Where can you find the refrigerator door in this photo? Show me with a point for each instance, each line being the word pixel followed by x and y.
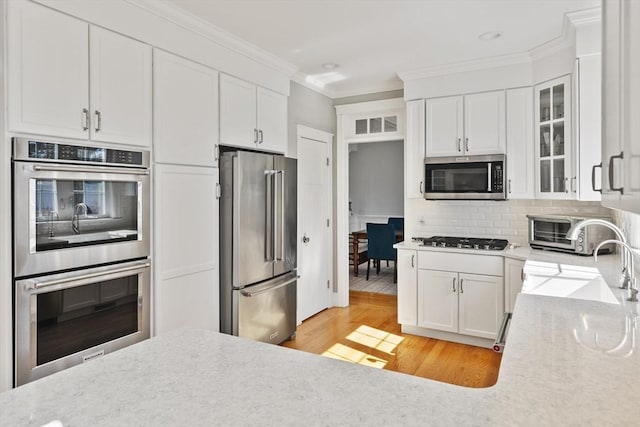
pixel 285 214
pixel 253 221
pixel 267 311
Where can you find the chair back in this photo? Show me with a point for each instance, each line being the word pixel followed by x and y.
pixel 398 223
pixel 381 238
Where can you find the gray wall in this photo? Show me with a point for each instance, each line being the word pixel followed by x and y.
pixel 378 96
pixel 376 172
pixel 309 108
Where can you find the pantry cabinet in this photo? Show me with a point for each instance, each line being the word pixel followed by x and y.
pixel 186 248
pixel 185 103
pixel 70 79
pixel 621 105
pixel 407 287
pixel 472 124
pixel 251 116
pixel 414 149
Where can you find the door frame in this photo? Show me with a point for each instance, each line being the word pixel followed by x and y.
pixel 346 116
pixel 308 133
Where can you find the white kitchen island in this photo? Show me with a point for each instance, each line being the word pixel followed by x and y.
pixel 554 372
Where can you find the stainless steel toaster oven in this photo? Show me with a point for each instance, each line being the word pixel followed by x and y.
pixel 550 232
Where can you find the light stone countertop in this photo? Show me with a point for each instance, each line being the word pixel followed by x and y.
pixel 566 362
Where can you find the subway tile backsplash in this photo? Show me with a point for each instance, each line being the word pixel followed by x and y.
pixel 504 219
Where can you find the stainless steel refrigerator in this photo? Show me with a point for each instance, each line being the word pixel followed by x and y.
pixel 258 214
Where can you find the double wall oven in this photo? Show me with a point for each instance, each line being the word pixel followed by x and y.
pixel 81 253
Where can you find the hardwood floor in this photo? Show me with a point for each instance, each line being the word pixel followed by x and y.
pixel 367 332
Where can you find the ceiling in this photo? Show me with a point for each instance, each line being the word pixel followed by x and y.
pixel 373 40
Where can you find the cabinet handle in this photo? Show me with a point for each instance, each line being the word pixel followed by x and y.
pixel 421 188
pixel 566 185
pixel 255 136
pixel 459 145
pixel 218 191
pixel 611 159
pixel 461 290
pixel 522 274
pixel 260 137
pixel 593 178
pixel 98 120
pixel 216 153
pixel 466 144
pixel 85 119
pixel 574 180
pixel 509 186
pixel 413 257
pixel 453 285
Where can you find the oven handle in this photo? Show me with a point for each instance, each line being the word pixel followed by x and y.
pixel 94 169
pixel 40 285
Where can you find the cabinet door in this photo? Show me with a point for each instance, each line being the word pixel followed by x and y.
pixel 513 273
pixel 553 142
pixel 48 67
pixel 444 126
pixel 272 120
pixel 407 287
pixel 237 112
pixel 186 248
pixel 484 127
pixel 120 89
pixel 438 300
pixel 185 100
pixel 520 143
pixel 481 305
pixel 414 149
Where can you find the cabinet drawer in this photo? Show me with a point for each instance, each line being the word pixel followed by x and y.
pixel 463 263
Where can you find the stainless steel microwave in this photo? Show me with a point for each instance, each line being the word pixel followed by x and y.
pixel 465 178
pixel 550 232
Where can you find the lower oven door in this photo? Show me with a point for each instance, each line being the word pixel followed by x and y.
pixel 66 319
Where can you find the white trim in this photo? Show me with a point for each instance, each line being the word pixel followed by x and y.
pixel 586 16
pixel 382 87
pixel 197 25
pixel 301 79
pixel 305 132
pixel 371 107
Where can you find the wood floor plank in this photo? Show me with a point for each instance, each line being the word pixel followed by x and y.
pixel 368 331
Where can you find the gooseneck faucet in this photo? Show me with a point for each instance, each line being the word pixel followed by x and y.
pixel 75 220
pixel 572 234
pixel 633 289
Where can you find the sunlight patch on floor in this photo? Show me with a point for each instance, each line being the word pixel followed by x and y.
pixel 346 353
pixel 375 338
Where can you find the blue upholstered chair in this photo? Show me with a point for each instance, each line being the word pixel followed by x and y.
pixel 381 238
pixel 398 223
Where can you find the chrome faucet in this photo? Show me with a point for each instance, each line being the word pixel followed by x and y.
pixel 628 250
pixel 51 215
pixel 625 276
pixel 75 220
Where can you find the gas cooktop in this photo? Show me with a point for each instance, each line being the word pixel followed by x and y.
pixel 463 243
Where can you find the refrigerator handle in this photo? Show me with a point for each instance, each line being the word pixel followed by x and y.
pixel 269 214
pixel 281 216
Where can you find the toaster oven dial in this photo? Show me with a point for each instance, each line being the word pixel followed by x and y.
pixel 580 239
pixel 580 248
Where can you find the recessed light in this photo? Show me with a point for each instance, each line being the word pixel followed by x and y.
pixel 329 65
pixel 490 35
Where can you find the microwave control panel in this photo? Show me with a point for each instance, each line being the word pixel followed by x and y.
pixel 498 178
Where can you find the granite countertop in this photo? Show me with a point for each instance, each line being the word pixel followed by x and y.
pixel 567 362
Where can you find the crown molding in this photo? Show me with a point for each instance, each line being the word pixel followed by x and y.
pixel 188 21
pixel 383 105
pixel 301 79
pixel 367 90
pixel 586 16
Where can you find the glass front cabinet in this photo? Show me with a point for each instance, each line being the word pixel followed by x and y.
pixel 553 142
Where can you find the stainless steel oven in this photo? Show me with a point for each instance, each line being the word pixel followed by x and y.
pixel 77 206
pixel 65 319
pixel 465 178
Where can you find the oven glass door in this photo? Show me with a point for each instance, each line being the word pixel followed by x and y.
pixel 77 211
pixel 458 178
pixel 77 316
pixel 554 232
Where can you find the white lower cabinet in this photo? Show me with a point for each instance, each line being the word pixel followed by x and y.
pixel 513 278
pixel 438 300
pixel 407 287
pixel 186 274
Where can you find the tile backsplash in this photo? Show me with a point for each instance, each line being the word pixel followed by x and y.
pixel 504 219
pixel 630 225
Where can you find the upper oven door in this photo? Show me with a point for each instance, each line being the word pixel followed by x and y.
pixel 480 177
pixel 546 232
pixel 68 216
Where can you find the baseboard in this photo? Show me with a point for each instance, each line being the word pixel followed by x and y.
pixel 448 336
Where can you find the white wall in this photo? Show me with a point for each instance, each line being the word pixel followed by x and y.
pixel 376 178
pixel 309 108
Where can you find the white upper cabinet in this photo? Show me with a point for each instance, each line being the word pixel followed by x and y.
pixel 621 105
pixel 484 127
pixel 414 149
pixel 120 89
pixel 520 164
pixel 466 125
pixel 54 61
pixel 48 72
pixel 252 117
pixel 444 126
pixel 185 104
pixel 553 146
